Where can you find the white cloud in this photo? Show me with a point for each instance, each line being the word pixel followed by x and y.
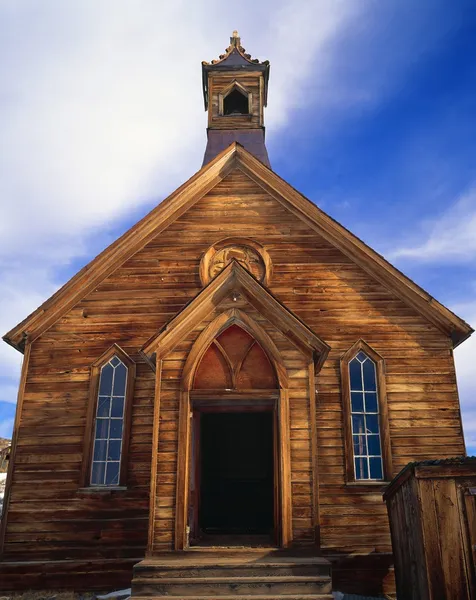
pixel 8 392
pixel 101 114
pixel 465 359
pixel 101 111
pixel 449 238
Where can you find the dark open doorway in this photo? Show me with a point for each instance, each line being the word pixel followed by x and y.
pixel 236 478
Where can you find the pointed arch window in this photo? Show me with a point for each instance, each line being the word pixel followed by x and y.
pixel 235 361
pixel 365 413
pixel 108 423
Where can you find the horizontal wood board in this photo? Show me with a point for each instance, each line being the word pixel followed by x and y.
pixel 334 297
pixel 219 83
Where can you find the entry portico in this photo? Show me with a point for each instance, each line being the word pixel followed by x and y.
pixel 275 373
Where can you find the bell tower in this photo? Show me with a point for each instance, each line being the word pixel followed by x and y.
pixel 235 89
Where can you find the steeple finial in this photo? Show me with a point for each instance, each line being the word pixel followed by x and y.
pixel 235 40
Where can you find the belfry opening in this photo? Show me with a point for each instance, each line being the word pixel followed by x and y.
pixel 235 103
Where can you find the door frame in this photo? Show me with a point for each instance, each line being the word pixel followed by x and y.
pixel 189 396
pixel 211 405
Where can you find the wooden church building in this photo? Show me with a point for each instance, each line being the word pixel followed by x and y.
pixel 222 395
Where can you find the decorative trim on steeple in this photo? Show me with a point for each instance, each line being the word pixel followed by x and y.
pixel 235 58
pixel 235 47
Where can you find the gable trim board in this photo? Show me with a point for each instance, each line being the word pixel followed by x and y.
pixel 235 156
pixel 236 279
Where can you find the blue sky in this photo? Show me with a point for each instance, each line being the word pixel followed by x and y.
pixel 371 114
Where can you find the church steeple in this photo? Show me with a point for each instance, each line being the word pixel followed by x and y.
pixel 235 90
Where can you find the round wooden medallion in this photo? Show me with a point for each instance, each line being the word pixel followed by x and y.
pixel 248 253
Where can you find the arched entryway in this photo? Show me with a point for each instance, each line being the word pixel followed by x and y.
pixel 233 471
pixel 235 466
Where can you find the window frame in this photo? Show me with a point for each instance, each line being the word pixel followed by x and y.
pixel 361 346
pixel 89 437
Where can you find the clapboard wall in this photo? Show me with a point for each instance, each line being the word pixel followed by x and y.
pixel 49 518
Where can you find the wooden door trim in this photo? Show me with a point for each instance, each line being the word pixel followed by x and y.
pixel 199 407
pixel 154 462
pixel 185 413
pixel 196 472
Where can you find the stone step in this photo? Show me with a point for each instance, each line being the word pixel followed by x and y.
pixel 212 587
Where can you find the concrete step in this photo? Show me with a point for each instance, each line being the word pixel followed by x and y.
pixel 231 586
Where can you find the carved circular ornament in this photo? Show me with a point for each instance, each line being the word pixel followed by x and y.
pixel 248 253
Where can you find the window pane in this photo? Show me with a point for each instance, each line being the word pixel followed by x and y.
pixel 116 429
pixel 109 424
pixel 365 418
pixel 361 468
pixel 360 445
pixel 358 424
pixel 371 402
pixel 370 379
pixel 112 474
pixel 97 476
pixel 357 401
pixel 373 442
pixel 105 381
pixel 120 373
pixel 372 423
pixel 117 409
pixel 102 428
pixel 376 471
pixel 100 448
pixel 104 404
pixel 355 375
pixel 114 451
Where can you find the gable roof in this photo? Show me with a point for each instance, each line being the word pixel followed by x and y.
pixel 235 156
pixel 235 279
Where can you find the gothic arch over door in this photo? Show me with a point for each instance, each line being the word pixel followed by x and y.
pixel 209 364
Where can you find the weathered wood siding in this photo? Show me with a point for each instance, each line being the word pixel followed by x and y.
pixel 50 518
pixel 218 83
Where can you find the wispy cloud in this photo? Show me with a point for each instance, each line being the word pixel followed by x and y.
pixel 101 116
pixel 8 391
pixel 101 111
pixel 450 238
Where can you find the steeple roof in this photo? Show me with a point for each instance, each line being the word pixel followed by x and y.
pixel 234 59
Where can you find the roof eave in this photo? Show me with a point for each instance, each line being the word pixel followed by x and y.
pixel 168 210
pixel 216 167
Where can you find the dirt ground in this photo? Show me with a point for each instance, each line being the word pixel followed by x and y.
pixel 47 595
